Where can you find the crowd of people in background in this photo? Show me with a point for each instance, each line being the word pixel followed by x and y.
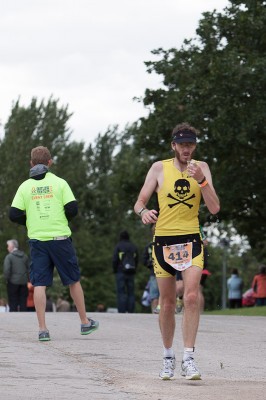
pixel 255 295
pixel 20 291
pixel 151 296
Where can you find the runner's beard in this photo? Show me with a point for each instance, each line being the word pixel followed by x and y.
pixel 183 161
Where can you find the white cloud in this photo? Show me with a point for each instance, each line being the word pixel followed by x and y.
pixel 90 54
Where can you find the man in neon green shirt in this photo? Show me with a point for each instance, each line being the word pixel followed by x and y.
pixel 45 203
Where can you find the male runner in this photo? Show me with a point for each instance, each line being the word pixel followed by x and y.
pixel 45 204
pixel 179 183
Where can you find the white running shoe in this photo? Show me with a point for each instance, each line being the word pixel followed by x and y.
pixel 168 368
pixel 189 370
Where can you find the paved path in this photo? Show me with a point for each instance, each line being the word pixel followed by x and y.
pixel 121 361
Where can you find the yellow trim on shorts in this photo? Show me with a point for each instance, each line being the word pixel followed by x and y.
pixel 161 273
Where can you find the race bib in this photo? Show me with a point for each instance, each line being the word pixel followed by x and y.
pixel 179 256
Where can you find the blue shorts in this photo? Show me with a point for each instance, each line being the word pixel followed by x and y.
pixel 45 255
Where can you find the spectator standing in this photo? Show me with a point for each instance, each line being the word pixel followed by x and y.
pixel 125 261
pixel 259 286
pixel 235 288
pixel 45 204
pixel 16 272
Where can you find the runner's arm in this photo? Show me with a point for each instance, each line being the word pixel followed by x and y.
pixel 149 187
pixel 202 174
pixel 208 192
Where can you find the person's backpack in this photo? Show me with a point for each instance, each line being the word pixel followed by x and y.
pixel 128 261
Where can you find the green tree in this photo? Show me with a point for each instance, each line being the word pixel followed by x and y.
pixel 106 211
pixel 216 82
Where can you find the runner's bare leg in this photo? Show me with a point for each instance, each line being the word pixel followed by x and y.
pixel 167 289
pixel 191 278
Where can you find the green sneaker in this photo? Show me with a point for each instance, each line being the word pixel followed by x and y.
pixel 86 329
pixel 44 336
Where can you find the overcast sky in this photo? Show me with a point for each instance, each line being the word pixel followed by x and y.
pixel 89 54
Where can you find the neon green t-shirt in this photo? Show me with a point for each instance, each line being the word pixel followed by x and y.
pixel 43 201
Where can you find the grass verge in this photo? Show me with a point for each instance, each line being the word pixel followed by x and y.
pixel 244 311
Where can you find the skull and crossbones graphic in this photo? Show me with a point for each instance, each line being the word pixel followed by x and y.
pixel 181 189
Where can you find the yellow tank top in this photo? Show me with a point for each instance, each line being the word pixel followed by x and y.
pixel 179 200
